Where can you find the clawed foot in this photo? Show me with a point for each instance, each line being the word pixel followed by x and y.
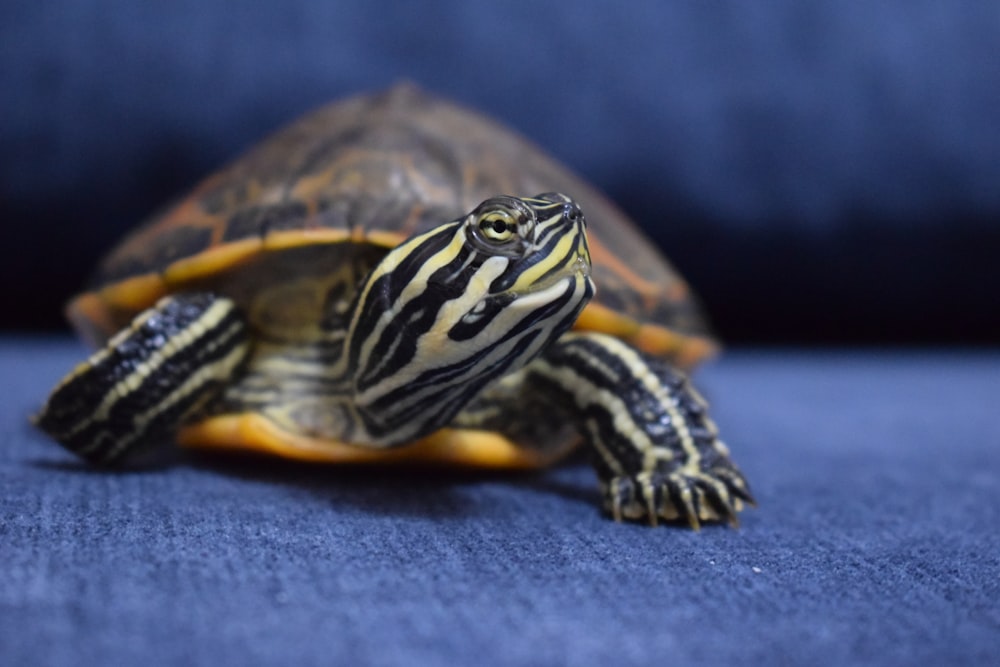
pixel 693 497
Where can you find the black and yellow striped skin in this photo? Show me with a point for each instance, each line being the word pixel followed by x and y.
pixel 655 450
pixel 450 311
pixel 153 375
pixel 646 429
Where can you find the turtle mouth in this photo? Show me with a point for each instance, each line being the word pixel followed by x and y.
pixel 581 265
pixel 575 268
pixel 571 275
pixel 573 279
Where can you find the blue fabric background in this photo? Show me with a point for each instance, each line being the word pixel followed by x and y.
pixel 821 171
pixel 875 542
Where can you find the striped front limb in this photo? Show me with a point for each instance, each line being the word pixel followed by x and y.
pixel 138 389
pixel 656 452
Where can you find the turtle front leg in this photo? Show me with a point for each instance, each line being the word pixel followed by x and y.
pixel 657 453
pixel 171 360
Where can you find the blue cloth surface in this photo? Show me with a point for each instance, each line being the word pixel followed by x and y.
pixel 876 541
pixel 795 159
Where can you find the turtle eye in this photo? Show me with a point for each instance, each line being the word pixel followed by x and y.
pixel 503 225
pixel 497 226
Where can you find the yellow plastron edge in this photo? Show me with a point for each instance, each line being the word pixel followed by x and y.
pixel 447 447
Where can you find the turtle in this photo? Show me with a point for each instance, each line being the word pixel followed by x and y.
pixel 381 282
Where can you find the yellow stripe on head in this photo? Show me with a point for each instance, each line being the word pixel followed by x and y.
pixel 450 310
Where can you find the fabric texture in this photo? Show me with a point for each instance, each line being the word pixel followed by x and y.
pixel 820 171
pixel 875 542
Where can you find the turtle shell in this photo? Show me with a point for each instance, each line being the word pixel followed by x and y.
pixel 377 169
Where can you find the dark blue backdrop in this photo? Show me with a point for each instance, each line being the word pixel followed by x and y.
pixel 820 171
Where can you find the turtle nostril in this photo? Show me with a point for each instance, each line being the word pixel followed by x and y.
pixel 572 211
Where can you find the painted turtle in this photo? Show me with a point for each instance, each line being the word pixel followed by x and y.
pixel 359 288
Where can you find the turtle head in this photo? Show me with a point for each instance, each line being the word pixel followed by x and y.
pixel 450 310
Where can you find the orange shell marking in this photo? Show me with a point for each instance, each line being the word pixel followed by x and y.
pixel 685 351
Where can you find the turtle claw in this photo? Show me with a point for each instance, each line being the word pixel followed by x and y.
pixel 685 497
pixel 735 483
